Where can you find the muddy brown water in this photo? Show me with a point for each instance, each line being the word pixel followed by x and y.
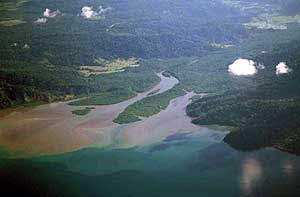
pixel 52 128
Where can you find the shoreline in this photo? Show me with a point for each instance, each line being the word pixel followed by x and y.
pixel 52 128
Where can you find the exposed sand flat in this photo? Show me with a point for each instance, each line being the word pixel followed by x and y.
pixel 52 128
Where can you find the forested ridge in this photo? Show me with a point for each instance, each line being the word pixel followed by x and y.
pixel 267 114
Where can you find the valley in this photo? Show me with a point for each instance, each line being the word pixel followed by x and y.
pixel 150 98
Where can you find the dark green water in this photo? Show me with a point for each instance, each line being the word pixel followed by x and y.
pixel 182 165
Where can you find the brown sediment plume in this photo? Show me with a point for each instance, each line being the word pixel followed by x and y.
pixel 52 128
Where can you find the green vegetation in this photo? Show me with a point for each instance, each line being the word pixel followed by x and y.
pixel 105 98
pixel 53 83
pixel 11 22
pixel 117 87
pixel 10 13
pixel 257 123
pixel 194 41
pixel 82 112
pixel 47 62
pixel 229 94
pixel 148 106
pixel 60 49
pixel 106 67
pixel 11 5
pixel 28 104
pixel 264 115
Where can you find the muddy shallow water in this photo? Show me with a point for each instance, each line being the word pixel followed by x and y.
pixel 52 128
pixel 163 155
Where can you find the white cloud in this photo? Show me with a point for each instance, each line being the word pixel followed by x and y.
pixel 41 20
pixel 282 68
pixel 242 67
pixel 89 13
pixel 49 14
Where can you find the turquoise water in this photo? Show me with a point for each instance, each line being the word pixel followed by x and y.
pixel 182 165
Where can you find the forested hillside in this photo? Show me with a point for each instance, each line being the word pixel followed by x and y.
pixel 40 56
pixel 267 114
pixel 57 50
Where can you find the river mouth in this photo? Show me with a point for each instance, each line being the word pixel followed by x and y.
pixel 52 128
pixel 164 153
